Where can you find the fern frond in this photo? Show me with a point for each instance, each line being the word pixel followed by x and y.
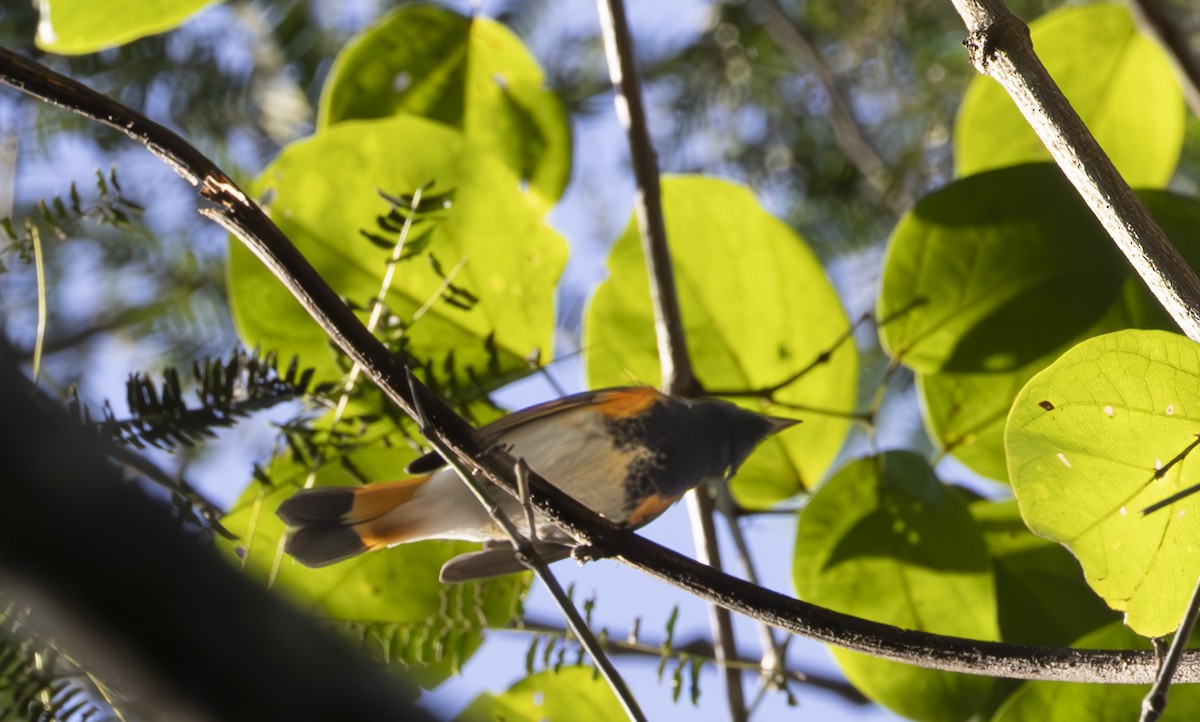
pixel 226 391
pixel 61 216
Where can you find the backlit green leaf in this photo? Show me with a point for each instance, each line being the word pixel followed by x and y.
pixel 885 540
pixel 1118 80
pixel 73 27
pixel 470 73
pixel 757 309
pixel 570 693
pixel 1094 439
pixel 491 243
pixel 1040 590
pixel 991 278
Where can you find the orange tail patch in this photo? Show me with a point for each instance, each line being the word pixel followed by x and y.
pixel 335 523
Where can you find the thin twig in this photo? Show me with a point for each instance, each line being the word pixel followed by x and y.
pixel 678 376
pixel 851 141
pixel 528 555
pixel 1154 19
pixel 703 649
pixel 704 533
pixel 1000 47
pixel 386 369
pixel 773 653
pixel 1155 702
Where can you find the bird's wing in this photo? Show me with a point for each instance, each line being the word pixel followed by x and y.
pixel 615 402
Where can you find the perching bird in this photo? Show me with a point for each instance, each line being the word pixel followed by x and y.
pixel 627 453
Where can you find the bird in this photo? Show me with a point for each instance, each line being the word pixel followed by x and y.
pixel 627 453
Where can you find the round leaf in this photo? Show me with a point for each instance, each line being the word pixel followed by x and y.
pixel 1097 437
pixel 994 271
pixel 499 306
pixel 74 27
pixel 885 540
pixel 470 73
pixel 1118 80
pixel 568 693
pixel 757 309
pixel 993 277
pixel 1040 590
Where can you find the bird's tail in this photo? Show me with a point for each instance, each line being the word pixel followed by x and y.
pixel 335 523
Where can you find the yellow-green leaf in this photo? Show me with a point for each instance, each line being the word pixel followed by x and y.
pixel 491 243
pixel 568 693
pixel 1119 81
pixel 73 27
pixel 472 73
pixel 1097 437
pixel 885 540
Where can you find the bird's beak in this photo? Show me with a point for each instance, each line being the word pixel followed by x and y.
pixel 778 423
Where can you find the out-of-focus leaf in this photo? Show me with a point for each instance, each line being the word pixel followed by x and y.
pixel 73 27
pixel 569 693
pixel 470 73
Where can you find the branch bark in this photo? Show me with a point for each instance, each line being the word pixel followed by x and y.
pixel 593 532
pixel 678 376
pixel 1154 19
pixel 999 46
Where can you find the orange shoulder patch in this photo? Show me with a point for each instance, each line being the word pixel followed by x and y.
pixel 649 508
pixel 623 403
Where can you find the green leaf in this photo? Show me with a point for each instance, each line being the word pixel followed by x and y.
pixel 1060 702
pixel 885 540
pixel 1041 593
pixel 965 414
pixel 470 73
pixel 994 271
pixel 324 196
pixel 570 693
pixel 1118 80
pixel 389 601
pixel 757 309
pixel 74 27
pixel 991 278
pixel 1086 440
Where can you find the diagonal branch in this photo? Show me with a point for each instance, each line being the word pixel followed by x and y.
pixel 1154 19
pixel 1000 47
pixel 251 226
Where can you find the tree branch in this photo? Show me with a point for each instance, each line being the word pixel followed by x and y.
pixel 704 649
pixel 1000 47
pixel 1154 19
pixel 678 376
pixel 252 227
